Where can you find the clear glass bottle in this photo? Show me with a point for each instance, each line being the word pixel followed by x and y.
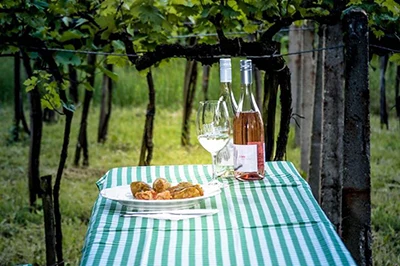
pixel 248 131
pixel 224 160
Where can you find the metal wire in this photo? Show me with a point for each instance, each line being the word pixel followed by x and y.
pixel 384 48
pixel 212 56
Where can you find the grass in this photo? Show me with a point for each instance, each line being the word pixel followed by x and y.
pixel 22 232
pixel 385 194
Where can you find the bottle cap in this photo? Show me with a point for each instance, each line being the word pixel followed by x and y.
pixel 225 70
pixel 246 65
pixel 246 71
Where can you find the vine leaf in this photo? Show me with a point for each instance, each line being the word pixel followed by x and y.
pixel 108 73
pixel 31 83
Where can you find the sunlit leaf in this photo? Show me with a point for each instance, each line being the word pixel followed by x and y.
pixel 395 58
pixel 31 83
pixel 45 103
pixel 88 86
pixel 109 73
pixel 250 28
pixel 71 34
pixel 119 61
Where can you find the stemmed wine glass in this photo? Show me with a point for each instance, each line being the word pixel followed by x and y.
pixel 213 128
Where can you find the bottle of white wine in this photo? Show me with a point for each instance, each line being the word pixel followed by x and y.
pixel 224 160
pixel 248 131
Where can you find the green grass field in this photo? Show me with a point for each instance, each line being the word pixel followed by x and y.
pixel 22 232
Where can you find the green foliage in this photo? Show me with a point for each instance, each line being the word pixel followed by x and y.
pixel 383 15
pixel 110 25
pixel 42 80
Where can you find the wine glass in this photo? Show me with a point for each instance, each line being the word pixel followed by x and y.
pixel 213 128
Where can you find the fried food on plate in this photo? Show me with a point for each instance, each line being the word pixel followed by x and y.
pixel 139 186
pixel 161 184
pixel 162 190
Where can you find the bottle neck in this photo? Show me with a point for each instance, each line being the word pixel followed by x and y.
pixel 226 94
pixel 225 75
pixel 247 101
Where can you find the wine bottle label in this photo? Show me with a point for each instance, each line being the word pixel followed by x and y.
pixel 260 154
pixel 245 158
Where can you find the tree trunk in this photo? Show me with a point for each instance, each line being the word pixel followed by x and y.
pixel 314 178
pixel 286 113
pixel 383 108
pixel 48 216
pixel 147 142
pixel 332 127
pixel 189 90
pixel 63 157
pixel 73 84
pixel 82 144
pixel 36 126
pixel 295 45
pixel 19 115
pixel 259 89
pixel 271 84
pixel 397 92
pixel 307 98
pixel 106 105
pixel 206 79
pixel 356 222
pixel 17 97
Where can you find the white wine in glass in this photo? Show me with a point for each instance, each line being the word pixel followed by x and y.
pixel 213 129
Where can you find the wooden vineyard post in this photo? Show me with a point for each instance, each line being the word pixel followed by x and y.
pixel 106 106
pixel 36 126
pixel 258 87
pixel 73 81
pixel 269 111
pixel 397 92
pixel 383 63
pixel 205 81
pixel 332 127
pixel 314 175
pixel 295 44
pixel 189 90
pixel 286 113
pixel 82 143
pixel 17 98
pixel 146 151
pixel 48 214
pixel 307 96
pixel 356 211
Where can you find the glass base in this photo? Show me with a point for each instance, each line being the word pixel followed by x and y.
pixel 224 171
pixel 217 183
pixel 248 176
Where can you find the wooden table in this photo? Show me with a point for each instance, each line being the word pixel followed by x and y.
pixel 275 221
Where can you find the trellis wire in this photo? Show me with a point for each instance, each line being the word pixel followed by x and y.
pixel 384 48
pixel 235 33
pixel 213 56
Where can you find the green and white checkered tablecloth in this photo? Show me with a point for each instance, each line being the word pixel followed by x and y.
pixel 275 221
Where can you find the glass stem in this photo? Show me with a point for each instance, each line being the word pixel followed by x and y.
pixel 214 159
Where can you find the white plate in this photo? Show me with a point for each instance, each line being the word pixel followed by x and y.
pixel 123 195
